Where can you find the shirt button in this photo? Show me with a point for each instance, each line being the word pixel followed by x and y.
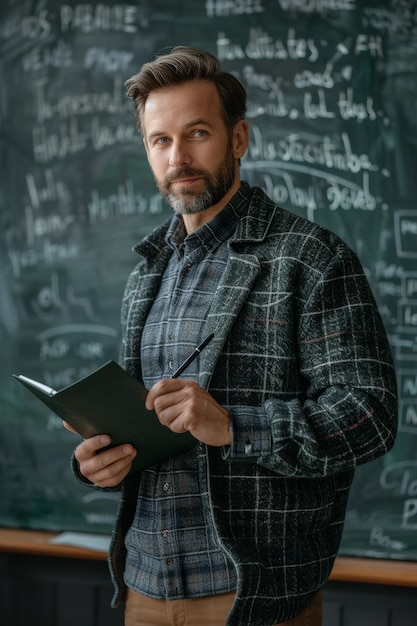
pixel 166 487
pixel 170 365
pixel 169 561
pixel 165 533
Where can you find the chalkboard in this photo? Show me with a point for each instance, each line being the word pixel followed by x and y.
pixel 332 101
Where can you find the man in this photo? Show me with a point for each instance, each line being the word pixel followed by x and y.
pixel 296 389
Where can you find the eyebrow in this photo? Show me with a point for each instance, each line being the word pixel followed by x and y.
pixel 199 121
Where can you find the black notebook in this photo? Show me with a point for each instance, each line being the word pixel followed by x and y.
pixel 110 401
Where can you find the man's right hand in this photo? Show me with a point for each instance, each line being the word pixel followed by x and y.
pixel 107 468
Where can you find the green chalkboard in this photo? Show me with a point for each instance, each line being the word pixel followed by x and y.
pixel 332 100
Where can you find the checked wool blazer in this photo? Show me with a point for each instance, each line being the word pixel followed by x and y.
pixel 297 334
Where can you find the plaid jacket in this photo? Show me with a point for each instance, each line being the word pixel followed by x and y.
pixel 296 331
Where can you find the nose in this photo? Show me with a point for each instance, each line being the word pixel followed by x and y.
pixel 179 154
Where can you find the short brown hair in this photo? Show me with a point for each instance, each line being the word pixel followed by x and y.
pixel 185 64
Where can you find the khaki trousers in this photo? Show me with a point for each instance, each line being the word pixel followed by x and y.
pixel 208 611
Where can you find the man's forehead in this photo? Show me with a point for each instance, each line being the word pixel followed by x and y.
pixel 187 104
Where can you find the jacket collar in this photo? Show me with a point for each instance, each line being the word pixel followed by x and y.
pixel 252 227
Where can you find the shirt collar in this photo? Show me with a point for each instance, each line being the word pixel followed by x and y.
pixel 213 233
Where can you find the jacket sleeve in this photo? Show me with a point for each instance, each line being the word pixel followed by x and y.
pixel 348 413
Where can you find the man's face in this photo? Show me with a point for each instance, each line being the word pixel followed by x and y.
pixel 191 153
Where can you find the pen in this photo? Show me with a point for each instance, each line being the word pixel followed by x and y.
pixel 192 356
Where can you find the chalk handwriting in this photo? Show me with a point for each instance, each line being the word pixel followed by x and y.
pixel 388 270
pixel 262 46
pixel 106 135
pixel 76 329
pixel 315 104
pixel 315 107
pixel 50 190
pixel 38 58
pixel 28 27
pixel 340 193
pixel 409 418
pixel 100 519
pixel 307 78
pixel 225 8
pixel 69 105
pixel 287 191
pixel 410 286
pixel 321 151
pixel 69 139
pixel 38 226
pixel 56 349
pixel 59 347
pixel 382 540
pixel 265 82
pixel 50 253
pixel 409 516
pixel 87 343
pixel 400 478
pixel 93 496
pixel 408 313
pixel 89 18
pixel 405 344
pixel 371 44
pixel 405 225
pixel 55 298
pixel 317 6
pixel 345 196
pixel 102 60
pixel 399 17
pixel 64 377
pixel 124 202
pixel 350 109
pixel 324 78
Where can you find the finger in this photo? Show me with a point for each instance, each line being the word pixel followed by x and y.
pixel 170 408
pixel 112 475
pixel 89 447
pixel 177 405
pixel 106 468
pixel 68 427
pixel 178 423
pixel 174 396
pixel 162 388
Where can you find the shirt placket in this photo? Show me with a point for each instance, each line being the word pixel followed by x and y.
pixel 168 546
pixel 176 325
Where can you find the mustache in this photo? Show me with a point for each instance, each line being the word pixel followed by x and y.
pixel 184 172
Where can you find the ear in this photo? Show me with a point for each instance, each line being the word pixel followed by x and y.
pixel 240 138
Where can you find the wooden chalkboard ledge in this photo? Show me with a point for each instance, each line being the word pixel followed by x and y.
pixel 375 571
pixel 346 569
pixel 39 542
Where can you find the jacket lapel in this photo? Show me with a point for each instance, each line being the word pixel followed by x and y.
pixel 240 274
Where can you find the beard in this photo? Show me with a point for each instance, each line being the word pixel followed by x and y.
pixel 215 187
